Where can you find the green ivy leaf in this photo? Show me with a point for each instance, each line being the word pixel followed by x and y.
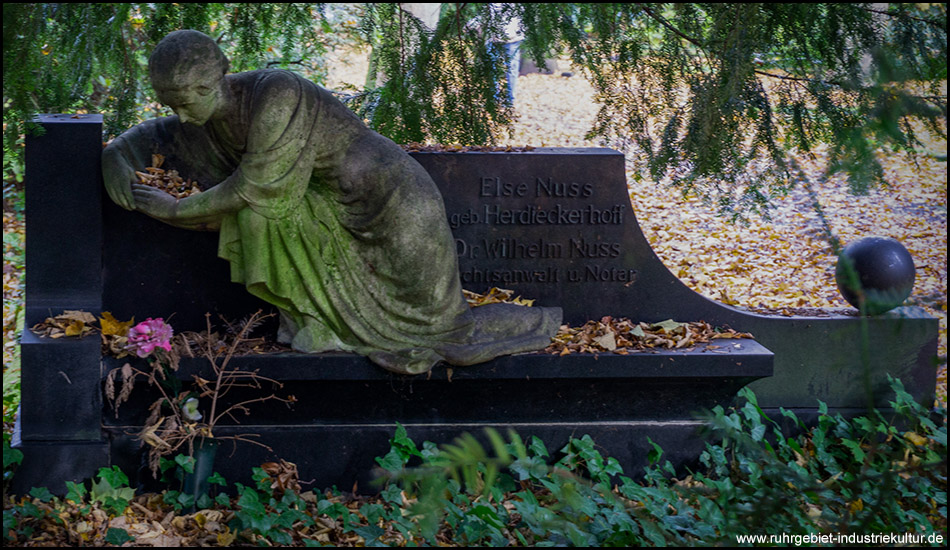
pixel 41 493
pixel 187 463
pixel 373 512
pixel 403 444
pixel 10 455
pixel 118 537
pixel 217 479
pixel 204 502
pixel 529 468
pixel 653 456
pixel 371 534
pixel 537 447
pixel 392 462
pixel 75 492
pixel 185 500
pixel 113 476
pixel 392 494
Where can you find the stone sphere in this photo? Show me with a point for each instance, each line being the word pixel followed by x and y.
pixel 877 271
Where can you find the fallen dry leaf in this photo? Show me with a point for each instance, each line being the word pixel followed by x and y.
pixel 110 326
pixel 495 296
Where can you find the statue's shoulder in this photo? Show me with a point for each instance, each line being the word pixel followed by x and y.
pixel 270 79
pixel 156 129
pixel 268 89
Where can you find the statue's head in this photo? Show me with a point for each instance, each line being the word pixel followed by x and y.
pixel 187 69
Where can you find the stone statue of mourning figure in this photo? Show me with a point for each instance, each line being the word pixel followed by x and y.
pixel 330 222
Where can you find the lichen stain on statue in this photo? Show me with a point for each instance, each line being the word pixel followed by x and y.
pixel 318 215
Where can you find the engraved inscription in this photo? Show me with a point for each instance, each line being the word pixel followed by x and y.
pixel 493 214
pixel 548 275
pixel 493 187
pixel 609 274
pixel 559 215
pixel 525 243
pixel 582 248
pixel 507 276
pixel 543 187
pixel 551 188
pixel 511 248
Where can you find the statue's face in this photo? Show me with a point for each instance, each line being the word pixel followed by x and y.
pixel 194 100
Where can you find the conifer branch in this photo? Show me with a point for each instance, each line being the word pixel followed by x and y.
pixel 662 20
pixel 800 79
pixel 898 15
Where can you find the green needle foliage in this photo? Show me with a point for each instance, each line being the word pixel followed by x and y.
pixel 444 84
pixel 93 57
pixel 713 98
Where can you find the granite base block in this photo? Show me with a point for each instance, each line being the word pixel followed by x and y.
pixel 51 464
pixel 347 409
pixel 60 392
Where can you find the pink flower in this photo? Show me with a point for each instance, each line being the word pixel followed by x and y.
pixel 148 335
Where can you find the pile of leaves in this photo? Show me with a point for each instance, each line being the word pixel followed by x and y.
pixel 114 333
pixel 106 512
pixel 168 181
pixel 621 336
pixel 219 341
pixel 69 323
pixel 495 295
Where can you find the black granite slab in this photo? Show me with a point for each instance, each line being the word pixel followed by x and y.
pixel 345 388
pixel 342 456
pixel 64 239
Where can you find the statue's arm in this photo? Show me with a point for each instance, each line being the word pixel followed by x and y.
pixel 118 175
pixel 274 170
pixel 203 211
pixel 132 151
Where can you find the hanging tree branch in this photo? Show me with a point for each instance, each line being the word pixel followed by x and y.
pixel 449 91
pixel 662 20
pixel 800 79
pixel 942 25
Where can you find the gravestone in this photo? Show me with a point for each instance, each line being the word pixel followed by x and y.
pixel 554 225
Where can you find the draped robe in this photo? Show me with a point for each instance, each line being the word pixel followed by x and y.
pixel 342 231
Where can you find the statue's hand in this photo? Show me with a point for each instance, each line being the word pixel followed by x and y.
pixel 118 176
pixel 154 202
